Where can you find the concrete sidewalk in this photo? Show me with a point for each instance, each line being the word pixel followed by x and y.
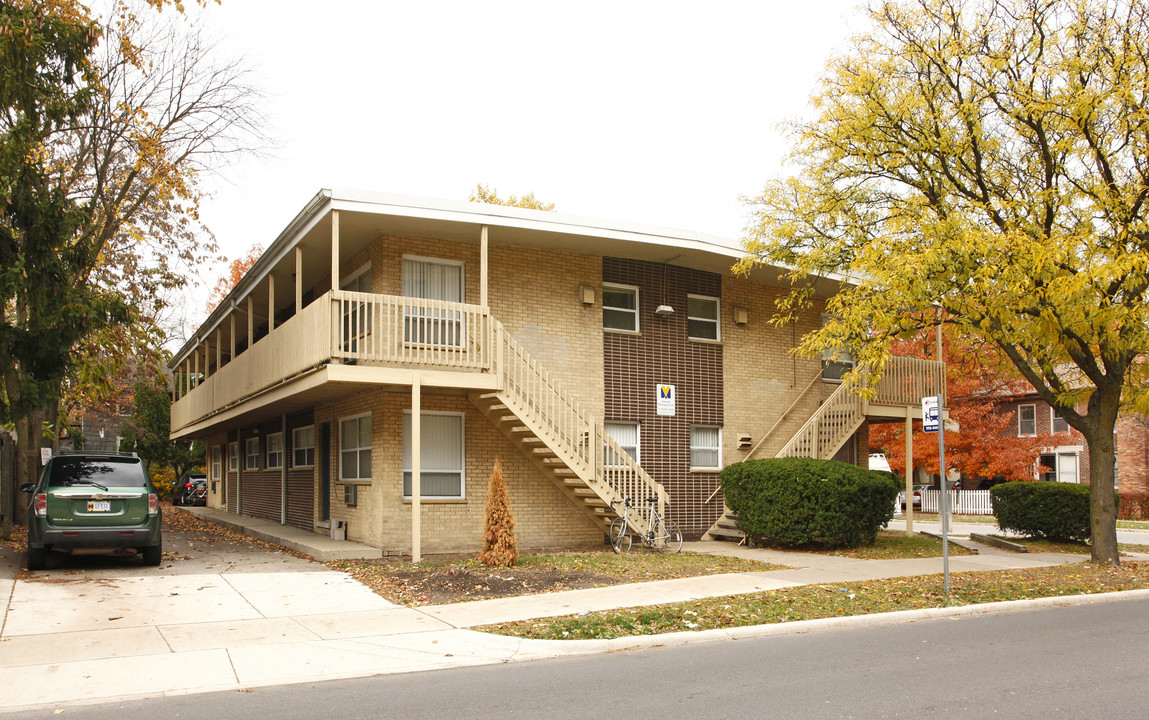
pixel 276 620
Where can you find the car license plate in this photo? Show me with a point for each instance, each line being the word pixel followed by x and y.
pixel 99 506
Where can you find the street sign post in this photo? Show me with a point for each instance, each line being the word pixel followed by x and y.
pixel 931 422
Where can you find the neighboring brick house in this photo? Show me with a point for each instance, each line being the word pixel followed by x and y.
pixel 1069 462
pixel 594 359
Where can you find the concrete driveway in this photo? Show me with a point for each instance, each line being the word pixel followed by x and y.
pixel 214 614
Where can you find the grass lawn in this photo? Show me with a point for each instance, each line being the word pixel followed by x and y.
pixel 1040 545
pixel 836 600
pixel 891 545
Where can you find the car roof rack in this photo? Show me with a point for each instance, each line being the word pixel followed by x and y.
pixel 98 453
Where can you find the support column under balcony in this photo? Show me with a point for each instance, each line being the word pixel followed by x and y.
pixel 909 473
pixel 416 468
pixel 483 272
pixel 334 249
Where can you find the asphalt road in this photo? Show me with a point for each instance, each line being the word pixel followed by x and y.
pixel 1077 662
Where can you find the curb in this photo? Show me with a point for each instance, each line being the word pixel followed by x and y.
pixel 539 649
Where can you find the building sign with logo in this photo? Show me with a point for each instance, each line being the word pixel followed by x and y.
pixel 664 399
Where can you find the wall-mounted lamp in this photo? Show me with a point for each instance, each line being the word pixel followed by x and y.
pixel 664 310
pixel 741 316
pixel 586 294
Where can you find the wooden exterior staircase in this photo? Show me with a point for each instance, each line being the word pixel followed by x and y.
pixel 827 430
pixel 562 439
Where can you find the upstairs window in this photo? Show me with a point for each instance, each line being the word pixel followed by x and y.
pixel 702 317
pixel 1057 422
pixel 1026 420
pixel 620 308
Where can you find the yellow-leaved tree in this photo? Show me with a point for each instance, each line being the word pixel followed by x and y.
pixel 985 164
pixel 484 194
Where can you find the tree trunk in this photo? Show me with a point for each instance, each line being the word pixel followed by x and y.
pixel 7 484
pixel 1102 460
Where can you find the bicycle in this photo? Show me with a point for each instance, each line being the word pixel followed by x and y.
pixel 668 540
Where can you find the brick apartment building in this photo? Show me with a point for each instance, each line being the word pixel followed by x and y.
pixel 384 343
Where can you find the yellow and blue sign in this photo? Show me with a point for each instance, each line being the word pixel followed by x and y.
pixel 664 399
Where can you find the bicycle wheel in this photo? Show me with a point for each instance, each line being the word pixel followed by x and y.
pixel 619 538
pixel 672 541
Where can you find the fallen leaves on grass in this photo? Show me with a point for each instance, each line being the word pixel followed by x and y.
pixel 434 583
pixel 821 601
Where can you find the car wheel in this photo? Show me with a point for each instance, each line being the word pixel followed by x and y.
pixel 37 558
pixel 153 554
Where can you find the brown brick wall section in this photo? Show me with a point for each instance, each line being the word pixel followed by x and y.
pixel 661 353
pixel 544 517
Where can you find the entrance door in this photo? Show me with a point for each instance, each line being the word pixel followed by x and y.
pixel 325 472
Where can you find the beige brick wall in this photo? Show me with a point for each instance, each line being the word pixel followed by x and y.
pixel 760 376
pixel 544 517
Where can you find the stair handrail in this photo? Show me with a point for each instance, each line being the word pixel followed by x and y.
pixel 785 413
pixel 845 397
pixel 579 434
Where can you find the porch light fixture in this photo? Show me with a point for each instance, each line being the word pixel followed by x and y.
pixel 664 310
pixel 741 315
pixel 586 294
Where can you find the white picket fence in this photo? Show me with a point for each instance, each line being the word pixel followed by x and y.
pixel 962 502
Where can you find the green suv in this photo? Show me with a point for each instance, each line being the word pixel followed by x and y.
pixel 93 501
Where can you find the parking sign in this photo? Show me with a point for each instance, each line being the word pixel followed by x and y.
pixel 930 414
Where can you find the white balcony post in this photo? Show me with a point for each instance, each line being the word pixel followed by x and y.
pixel 909 472
pixel 298 279
pixel 231 319
pixel 195 353
pixel 283 473
pixel 416 468
pixel 483 271
pixel 250 322
pixel 270 303
pixel 218 349
pixel 334 249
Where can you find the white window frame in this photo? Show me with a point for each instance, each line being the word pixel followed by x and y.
pixel 216 462
pixel 358 449
pixel 845 361
pixel 716 320
pixel 462 470
pixel 274 447
pixel 1054 418
pixel 1061 455
pixel 1020 430
pixel 634 312
pixel 717 448
pixel 296 447
pixel 233 457
pixel 444 326
pixel 608 458
pixel 251 453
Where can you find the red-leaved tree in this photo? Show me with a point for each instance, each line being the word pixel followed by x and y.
pixel 236 269
pixel 978 386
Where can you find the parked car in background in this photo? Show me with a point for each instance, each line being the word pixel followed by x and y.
pixel 190 490
pixel 93 501
pixel 917 496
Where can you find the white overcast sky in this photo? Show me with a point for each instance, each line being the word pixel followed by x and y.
pixel 653 112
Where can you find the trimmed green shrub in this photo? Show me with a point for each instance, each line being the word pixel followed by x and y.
pixel 1058 511
pixel 802 501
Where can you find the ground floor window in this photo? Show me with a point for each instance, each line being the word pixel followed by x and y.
pixel 442 456
pixel 705 447
pixel 275 451
pixel 216 462
pixel 626 434
pixel 251 454
pixel 355 448
pixel 233 456
pixel 1059 467
pixel 303 447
